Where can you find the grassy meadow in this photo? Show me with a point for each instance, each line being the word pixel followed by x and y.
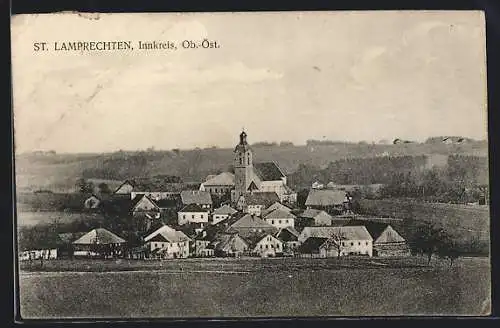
pixel 261 288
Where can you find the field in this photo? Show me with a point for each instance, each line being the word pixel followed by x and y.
pixel 258 288
pixel 465 222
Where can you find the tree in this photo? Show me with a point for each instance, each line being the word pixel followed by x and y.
pixel 336 239
pixel 84 186
pixel 430 239
pixel 104 188
pixel 448 249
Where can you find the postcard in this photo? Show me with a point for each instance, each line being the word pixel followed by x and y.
pixel 251 164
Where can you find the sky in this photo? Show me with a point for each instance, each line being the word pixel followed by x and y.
pixel 352 76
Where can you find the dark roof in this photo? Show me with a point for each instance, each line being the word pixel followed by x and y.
pixel 168 202
pixel 252 186
pixel 374 228
pixel 311 245
pixel 287 235
pixel 156 184
pixel 261 198
pixel 253 238
pixel 70 237
pixel 268 171
pixel 138 198
pixel 193 208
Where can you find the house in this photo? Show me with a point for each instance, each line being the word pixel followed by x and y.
pixel 99 242
pixel 222 213
pixel 155 187
pixel 251 224
pixel 313 217
pixel 259 177
pixel 255 202
pixel 290 238
pixel 229 244
pixel 327 199
pixel 197 197
pixel 219 184
pixel 280 218
pixel 193 213
pixel 275 206
pixel 201 244
pixel 166 242
pixel 346 240
pixel 265 245
pixel 142 205
pixel 317 185
pixel 311 247
pixel 386 240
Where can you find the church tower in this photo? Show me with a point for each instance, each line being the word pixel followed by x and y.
pixel 243 166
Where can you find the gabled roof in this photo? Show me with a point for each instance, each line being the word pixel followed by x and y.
pixel 137 199
pixel 287 234
pixel 279 214
pixel 225 209
pixel 222 240
pixel 168 202
pixel 196 197
pixel 311 245
pixel 254 238
pixel 268 171
pixel 251 221
pixel 193 208
pixel 99 236
pixel 223 179
pixel 169 234
pixel 325 197
pixel 274 206
pixel 252 186
pixel 375 229
pixel 261 198
pixel 347 232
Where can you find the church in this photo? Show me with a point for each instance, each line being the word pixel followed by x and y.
pixel 253 178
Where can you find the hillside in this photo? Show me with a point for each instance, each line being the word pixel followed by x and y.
pixel 58 172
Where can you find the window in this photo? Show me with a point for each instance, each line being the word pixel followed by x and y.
pixel 184 216
pixel 248 162
pixel 352 244
pixel 272 221
pixel 279 221
pixel 277 246
pixel 286 221
pixel 343 244
pixel 366 243
pixel 267 246
pixel 260 246
pixel 359 243
pixel 192 216
pixel 241 160
pixel 272 246
pixel 202 216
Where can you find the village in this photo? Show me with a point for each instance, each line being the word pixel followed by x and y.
pixel 249 213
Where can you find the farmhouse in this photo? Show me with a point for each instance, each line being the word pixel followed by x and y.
pixel 265 245
pixel 167 242
pixel 348 240
pixel 251 224
pixel 257 177
pixel 386 240
pixel 142 205
pixel 197 197
pixel 99 242
pixel 255 202
pixel 327 199
pixel 290 237
pixel 313 217
pixel 310 247
pixel 222 213
pixel 220 184
pixel 192 213
pixel 229 244
pixel 280 218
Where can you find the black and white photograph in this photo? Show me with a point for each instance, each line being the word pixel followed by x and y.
pixel 251 164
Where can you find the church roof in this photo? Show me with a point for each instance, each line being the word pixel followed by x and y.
pixel 268 171
pixel 223 179
pixel 261 198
